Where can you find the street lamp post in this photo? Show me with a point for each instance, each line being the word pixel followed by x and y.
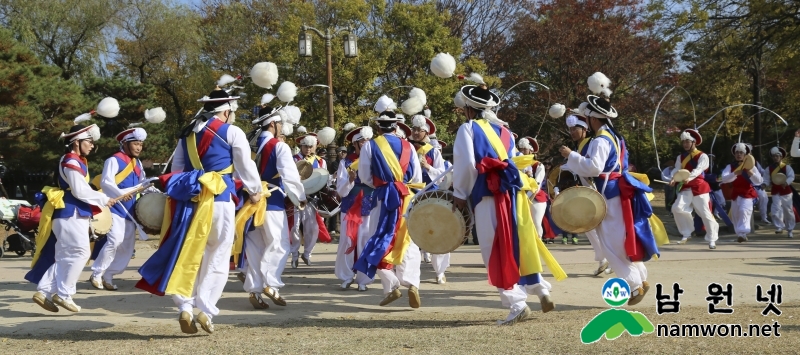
pixel 350 51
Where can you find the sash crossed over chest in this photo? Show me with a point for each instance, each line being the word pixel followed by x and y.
pixel 191 195
pixel 616 181
pixel 780 190
pixel 690 161
pixel 391 176
pixel 517 251
pixel 129 174
pixel 742 186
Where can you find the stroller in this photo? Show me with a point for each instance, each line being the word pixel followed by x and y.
pixel 20 216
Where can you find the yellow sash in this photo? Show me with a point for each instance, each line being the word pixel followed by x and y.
pixel 353 166
pixel 395 256
pixel 689 157
pixel 776 170
pixel 424 149
pixel 184 274
pixel 582 144
pixel 257 211
pixel 127 171
pixel 522 162
pixel 659 232
pixel 531 248
pixel 616 146
pixel 117 178
pixel 55 200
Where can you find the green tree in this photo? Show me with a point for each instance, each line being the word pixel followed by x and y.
pixel 70 34
pixel 36 105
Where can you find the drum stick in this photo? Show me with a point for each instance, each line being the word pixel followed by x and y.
pixel 138 227
pixel 661 181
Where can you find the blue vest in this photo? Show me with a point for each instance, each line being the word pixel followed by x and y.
pixel 218 156
pixel 610 166
pixel 130 181
pixel 71 203
pixel 358 186
pixel 482 148
pixel 268 166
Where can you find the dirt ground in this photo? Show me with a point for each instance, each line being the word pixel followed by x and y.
pixel 458 317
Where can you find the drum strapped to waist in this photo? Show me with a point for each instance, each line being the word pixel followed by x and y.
pixel 316 181
pixel 578 209
pixel 101 222
pixel 328 202
pixel 149 211
pixel 749 162
pixel 433 225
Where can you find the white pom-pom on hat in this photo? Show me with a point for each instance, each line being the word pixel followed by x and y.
pixel 476 78
pixel 292 115
pixel 287 129
pixel 557 110
pixel 384 103
pixel 366 132
pixel 108 107
pixel 82 117
pixel 459 100
pixel 225 80
pixel 599 83
pixel 302 130
pixel 419 93
pixel 524 144
pixel 267 98
pixel 308 141
pixel 443 65
pixel 155 115
pixel 326 135
pixel 287 91
pixel 264 74
pixel 349 127
pixel 774 151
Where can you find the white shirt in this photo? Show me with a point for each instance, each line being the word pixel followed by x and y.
pixel 242 163
pixel 755 178
pixel 789 176
pixel 437 168
pixel 592 165
pixel 795 148
pixel 464 171
pixel 108 180
pixel 702 165
pixel 287 169
pixel 78 185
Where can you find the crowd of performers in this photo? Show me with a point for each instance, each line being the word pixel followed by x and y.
pixel 706 194
pixel 227 192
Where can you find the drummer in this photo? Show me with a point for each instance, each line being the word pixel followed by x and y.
pixel 782 207
pixel 693 192
pixel 743 192
pixel 308 217
pixel 432 166
pixel 605 160
pixel 355 207
pixel 267 245
pixel 386 247
pixel 578 125
pixel 122 173
pixel 61 256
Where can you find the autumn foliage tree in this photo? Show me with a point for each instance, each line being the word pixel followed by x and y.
pixel 560 43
